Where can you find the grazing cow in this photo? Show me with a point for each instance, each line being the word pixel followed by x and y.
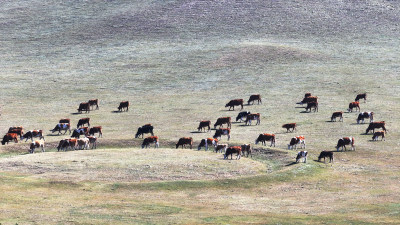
pixel 83 121
pixel 312 105
pixel 65 144
pixel 203 124
pixel 80 131
pixel 123 105
pixel 306 95
pixel 354 105
pixel 185 141
pixel 246 148
pixel 342 142
pixel 94 130
pixel 9 137
pixel 36 144
pixel 325 154
pixel 254 116
pixel 222 131
pixel 94 102
pixel 375 125
pixel 301 154
pixel 64 121
pixel 232 150
pixel 242 116
pixel 84 106
pixel 233 103
pixel 289 126
pixel 309 99
pixel 337 114
pixel 365 115
pixel 18 130
pixel 263 138
pixel 145 129
pixel 223 120
pixel 361 96
pixel 379 134
pixel 152 139
pixel 254 98
pixel 221 148
pixel 207 142
pixel 31 134
pixel 297 140
pixel 62 126
pixel 83 143
pixel 92 141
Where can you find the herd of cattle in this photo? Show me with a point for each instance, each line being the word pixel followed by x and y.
pixel 90 140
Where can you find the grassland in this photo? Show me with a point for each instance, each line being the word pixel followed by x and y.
pixel 179 62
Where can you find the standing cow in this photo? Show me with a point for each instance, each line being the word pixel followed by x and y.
pixel 254 98
pixel 353 105
pixel 335 115
pixel 361 96
pixel 62 126
pixel 203 125
pixel 149 140
pixel 36 144
pixel 342 142
pixel 223 120
pixel 123 105
pixel 297 140
pixel 233 150
pixel 242 116
pixel 222 131
pixel 365 115
pixel 376 125
pixel 9 137
pixel 254 116
pixel 31 134
pixel 93 102
pixel 185 141
pixel 84 106
pixel 208 142
pixel 325 154
pixel 263 138
pixel 289 126
pixel 82 122
pixel 145 129
pixel 301 154
pixel 233 103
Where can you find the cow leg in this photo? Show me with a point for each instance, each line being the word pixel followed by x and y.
pixel 229 137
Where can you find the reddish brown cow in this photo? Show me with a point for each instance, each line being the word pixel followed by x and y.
pixel 232 150
pixel 221 148
pixel 254 98
pixel 94 102
pixel 223 120
pixel 361 96
pixel 253 116
pixel 297 140
pixel 354 105
pixel 185 141
pixel 207 142
pixel 379 134
pixel 94 130
pixel 246 148
pixel 222 131
pixel 289 126
pixel 342 142
pixel 65 144
pixel 312 105
pixel 376 125
pixel 36 144
pixel 18 130
pixel 337 114
pixel 309 99
pixel 64 121
pixel 84 106
pixel 263 138
pixel 123 105
pixel 83 121
pixel 9 137
pixel 203 124
pixel 31 134
pixel 233 103
pixel 152 139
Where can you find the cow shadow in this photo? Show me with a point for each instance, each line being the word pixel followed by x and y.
pixel 56 135
pixel 291 164
pixel 355 123
pixel 76 113
pixel 329 121
pixel 197 132
pixel 244 125
pixel 236 122
pixel 304 112
pixel 300 107
pixel 116 111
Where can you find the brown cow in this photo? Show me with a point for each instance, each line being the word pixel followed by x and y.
pixel 375 125
pixel 223 120
pixel 83 121
pixel 65 144
pixel 31 134
pixel 289 126
pixel 254 98
pixel 222 131
pixel 246 148
pixel 354 105
pixel 36 144
pixel 66 120
pixel 94 102
pixel 207 142
pixel 9 137
pixel 263 138
pixel 204 124
pixel 185 141
pixel 337 114
pixel 365 115
pixel 221 148
pixel 152 139
pixel 379 134
pixel 325 154
pixel 361 96
pixel 123 105
pixel 253 116
pixel 233 103
pixel 233 149
pixel 297 140
pixel 312 105
pixel 84 106
pixel 18 130
pixel 92 141
pixel 94 130
pixel 306 95
pixel 342 142
pixel 309 99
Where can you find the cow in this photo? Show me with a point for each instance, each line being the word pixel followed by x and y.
pixel 306 95
pixel 342 142
pixel 309 99
pixel 325 154
pixel 83 143
pixel 123 105
pixel 222 131
pixel 18 130
pixel 84 106
pixel 80 131
pixel 263 138
pixel 9 137
pixel 65 144
pixel 253 116
pixel 185 141
pixel 203 124
pixel 379 134
pixel 365 115
pixel 297 140
pixel 233 103
pixel 232 150
pixel 221 121
pixel 93 102
pixel 31 134
pixel 375 125
pixel 361 96
pixel 312 105
pixel 353 105
pixel 94 130
pixel 62 126
pixel 207 142
pixel 301 154
pixel 289 126
pixel 92 141
pixel 242 116
pixel 83 121
pixel 145 129
pixel 66 120
pixel 254 98
pixel 36 144
pixel 246 148
pixel 335 115
pixel 152 139
pixel 221 148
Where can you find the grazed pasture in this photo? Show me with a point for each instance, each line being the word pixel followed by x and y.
pixel 179 62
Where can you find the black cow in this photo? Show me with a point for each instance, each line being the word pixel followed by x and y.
pixel 242 116
pixel 145 129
